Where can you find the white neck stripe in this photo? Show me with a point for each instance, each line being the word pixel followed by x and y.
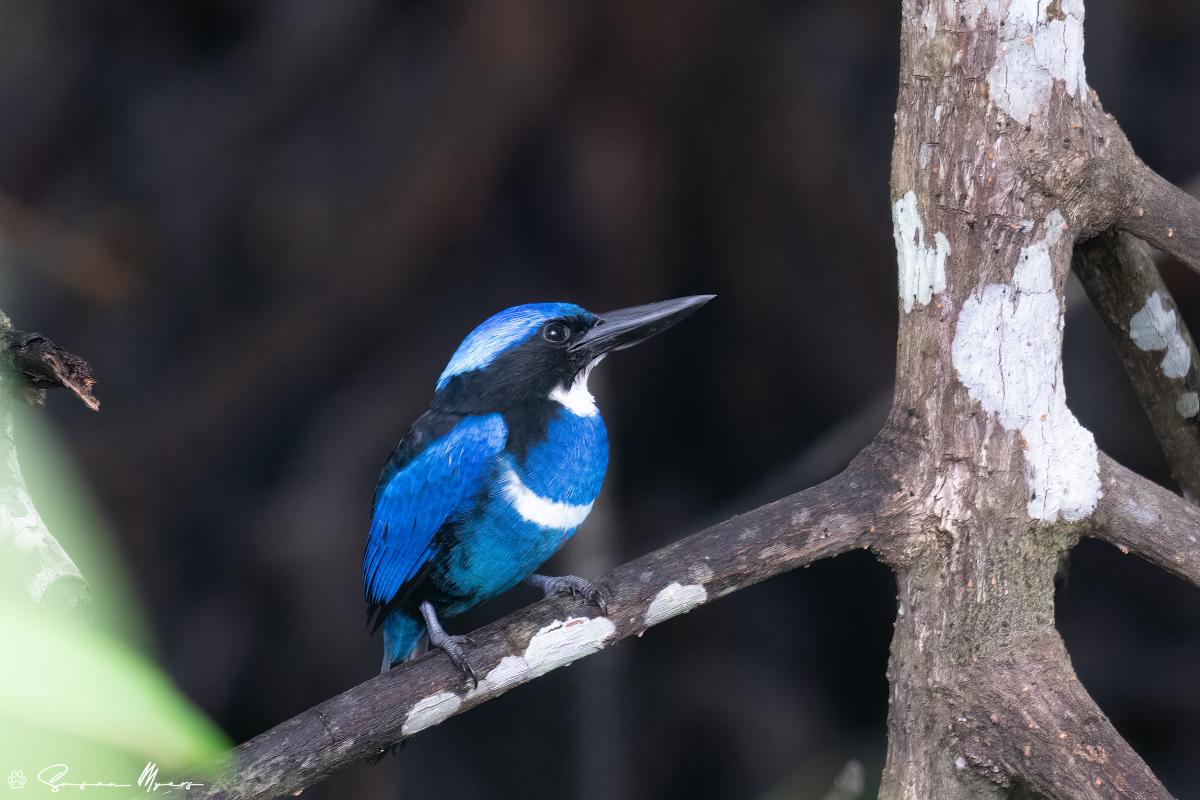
pixel 536 509
pixel 576 398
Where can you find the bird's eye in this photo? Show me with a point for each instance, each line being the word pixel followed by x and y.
pixel 555 333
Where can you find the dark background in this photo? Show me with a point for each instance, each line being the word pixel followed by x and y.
pixel 267 225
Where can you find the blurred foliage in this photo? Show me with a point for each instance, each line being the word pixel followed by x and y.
pixel 69 511
pixel 79 693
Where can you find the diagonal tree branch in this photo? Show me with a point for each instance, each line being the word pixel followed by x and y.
pixel 1165 216
pixel 852 510
pixel 1029 722
pixel 1139 516
pixel 1120 277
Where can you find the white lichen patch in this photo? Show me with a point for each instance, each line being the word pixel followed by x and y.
pixel 673 600
pixel 1040 43
pixel 922 264
pixel 1007 351
pixel 1188 405
pixel 1155 327
pixel 929 18
pixel 430 711
pixel 560 643
pixel 556 645
pixel 925 154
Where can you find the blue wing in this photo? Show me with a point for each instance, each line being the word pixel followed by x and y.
pixel 416 499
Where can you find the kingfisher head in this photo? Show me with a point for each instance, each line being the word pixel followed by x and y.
pixel 545 351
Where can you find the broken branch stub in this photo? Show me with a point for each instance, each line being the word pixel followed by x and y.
pixel 31 555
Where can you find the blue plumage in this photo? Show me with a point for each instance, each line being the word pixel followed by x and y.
pixel 502 331
pixel 499 473
pixel 568 465
pixel 439 485
pixel 511 535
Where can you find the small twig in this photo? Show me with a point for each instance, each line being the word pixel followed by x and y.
pixel 42 364
pixel 1120 277
pixel 1166 217
pixel 1139 516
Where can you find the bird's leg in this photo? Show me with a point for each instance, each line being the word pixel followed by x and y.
pixel 578 587
pixel 452 646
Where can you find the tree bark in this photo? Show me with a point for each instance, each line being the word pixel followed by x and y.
pixel 1158 353
pixel 1003 160
pixel 1166 216
pixel 1138 516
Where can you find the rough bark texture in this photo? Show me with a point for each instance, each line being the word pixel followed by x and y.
pixel 1003 160
pixel 1033 719
pixel 980 480
pixel 1122 280
pixel 1140 517
pixel 1166 216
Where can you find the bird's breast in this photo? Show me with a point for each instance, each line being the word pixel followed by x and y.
pixel 535 505
pixel 568 466
pixel 541 499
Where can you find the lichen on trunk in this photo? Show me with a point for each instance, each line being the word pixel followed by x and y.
pixel 997 142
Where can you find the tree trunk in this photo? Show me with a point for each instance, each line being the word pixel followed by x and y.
pixel 1002 162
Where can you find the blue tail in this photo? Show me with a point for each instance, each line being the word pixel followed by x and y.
pixel 402 632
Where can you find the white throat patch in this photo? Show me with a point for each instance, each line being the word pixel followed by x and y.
pixel 576 398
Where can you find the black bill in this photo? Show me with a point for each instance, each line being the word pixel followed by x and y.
pixel 626 327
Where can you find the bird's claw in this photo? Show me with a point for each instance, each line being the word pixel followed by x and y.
pixel 452 646
pixel 576 587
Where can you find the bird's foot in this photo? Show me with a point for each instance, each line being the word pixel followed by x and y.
pixel 572 584
pixel 452 646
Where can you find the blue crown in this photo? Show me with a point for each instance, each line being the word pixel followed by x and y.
pixel 500 332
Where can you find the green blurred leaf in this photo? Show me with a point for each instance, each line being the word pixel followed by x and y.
pixel 83 696
pixel 70 512
pixel 62 680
